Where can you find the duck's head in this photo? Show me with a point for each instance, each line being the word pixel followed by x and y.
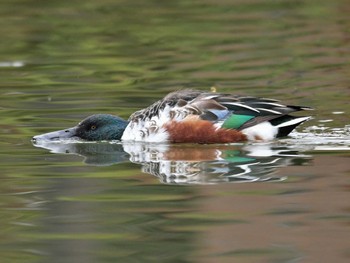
pixel 98 127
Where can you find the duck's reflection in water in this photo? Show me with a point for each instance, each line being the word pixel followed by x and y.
pixel 191 163
pixel 210 164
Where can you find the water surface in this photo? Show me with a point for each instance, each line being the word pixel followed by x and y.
pixel 284 201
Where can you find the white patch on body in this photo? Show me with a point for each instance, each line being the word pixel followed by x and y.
pixel 264 131
pixel 152 129
pixel 145 131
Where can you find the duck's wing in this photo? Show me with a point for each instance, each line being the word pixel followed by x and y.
pixel 241 112
pixel 250 115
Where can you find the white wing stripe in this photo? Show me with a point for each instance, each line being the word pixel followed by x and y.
pixel 270 103
pixel 268 110
pixel 240 105
pixel 293 122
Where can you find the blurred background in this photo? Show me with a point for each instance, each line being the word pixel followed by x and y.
pixel 61 61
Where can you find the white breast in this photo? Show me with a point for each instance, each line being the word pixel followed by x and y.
pixel 151 129
pixel 148 130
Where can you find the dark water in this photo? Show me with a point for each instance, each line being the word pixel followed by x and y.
pixel 285 201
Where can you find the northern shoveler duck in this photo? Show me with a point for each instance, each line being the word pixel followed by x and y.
pixel 191 116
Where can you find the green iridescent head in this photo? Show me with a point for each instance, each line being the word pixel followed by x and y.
pixel 98 127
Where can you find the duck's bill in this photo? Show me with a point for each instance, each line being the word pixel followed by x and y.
pixel 57 135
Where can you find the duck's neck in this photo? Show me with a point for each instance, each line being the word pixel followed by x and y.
pixel 118 132
pixel 113 131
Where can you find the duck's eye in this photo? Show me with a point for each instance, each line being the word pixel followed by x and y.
pixel 93 127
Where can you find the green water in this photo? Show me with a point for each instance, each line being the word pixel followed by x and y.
pixel 286 201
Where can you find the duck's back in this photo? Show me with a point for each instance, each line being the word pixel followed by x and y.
pixel 200 117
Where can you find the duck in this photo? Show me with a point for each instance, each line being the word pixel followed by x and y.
pixel 191 116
